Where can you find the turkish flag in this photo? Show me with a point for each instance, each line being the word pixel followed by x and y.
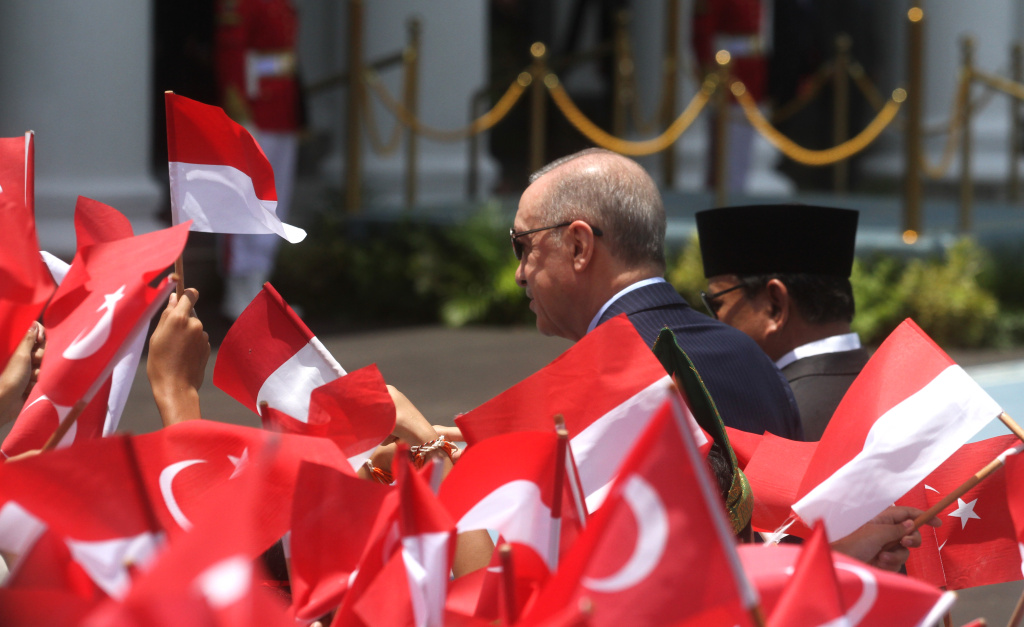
pixel 220 178
pixel 744 444
pixel 102 303
pixel 909 409
pixel 208 576
pixel 354 411
pixel 607 386
pixel 270 355
pixel 976 544
pixel 32 607
pixel 871 596
pixel 812 596
pixel 661 530
pixel 333 517
pixel 18 171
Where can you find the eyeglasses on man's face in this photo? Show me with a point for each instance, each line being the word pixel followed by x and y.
pixel 709 300
pixel 517 246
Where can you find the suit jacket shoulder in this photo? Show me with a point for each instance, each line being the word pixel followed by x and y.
pixel 819 382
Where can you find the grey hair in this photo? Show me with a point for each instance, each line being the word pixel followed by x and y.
pixel 618 196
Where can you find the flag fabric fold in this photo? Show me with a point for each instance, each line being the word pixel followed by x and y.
pixel 220 179
pixel 270 355
pixel 910 408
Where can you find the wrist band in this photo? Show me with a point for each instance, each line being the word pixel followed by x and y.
pixel 419 453
pixel 381 475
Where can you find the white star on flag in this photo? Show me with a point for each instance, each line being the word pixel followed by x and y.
pixel 964 511
pixel 240 463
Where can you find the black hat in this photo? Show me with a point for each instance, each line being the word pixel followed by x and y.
pixel 770 239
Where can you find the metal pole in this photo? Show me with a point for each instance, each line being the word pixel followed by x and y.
pixel 721 129
pixel 841 110
pixel 473 178
pixel 538 108
pixel 411 58
pixel 623 61
pixel 913 137
pixel 966 183
pixel 1017 63
pixel 355 98
pixel 668 99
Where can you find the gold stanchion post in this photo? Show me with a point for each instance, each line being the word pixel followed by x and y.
pixel 538 109
pixel 356 89
pixel 841 110
pixel 623 61
pixel 721 130
pixel 966 182
pixel 1017 63
pixel 913 136
pixel 411 57
pixel 668 101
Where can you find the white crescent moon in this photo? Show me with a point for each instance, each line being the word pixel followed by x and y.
pixel 166 477
pixel 868 595
pixel 88 342
pixel 652 536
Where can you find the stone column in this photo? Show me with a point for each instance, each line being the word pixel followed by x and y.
pixel 78 74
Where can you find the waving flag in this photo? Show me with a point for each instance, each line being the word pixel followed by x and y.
pixel 870 596
pixel 661 530
pixel 220 178
pixel 910 408
pixel 976 544
pixel 812 598
pixel 102 303
pixel 607 386
pixel 270 355
pixel 355 412
pixel 18 171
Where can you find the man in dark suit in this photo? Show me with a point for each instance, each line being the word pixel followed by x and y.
pixel 781 274
pixel 590 235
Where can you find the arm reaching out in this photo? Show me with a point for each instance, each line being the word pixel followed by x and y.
pixel 885 541
pixel 20 374
pixel 178 352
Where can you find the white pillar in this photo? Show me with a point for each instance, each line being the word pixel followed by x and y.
pixel 453 65
pixel 78 74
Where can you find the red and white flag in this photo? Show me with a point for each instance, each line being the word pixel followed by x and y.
pixel 355 412
pixel 220 178
pixel 910 408
pixel 1014 478
pixel 662 530
pixel 870 596
pixel 812 597
pixel 270 355
pixel 18 172
pixel 607 386
pixel 774 472
pixel 333 518
pixel 99 308
pixel 976 544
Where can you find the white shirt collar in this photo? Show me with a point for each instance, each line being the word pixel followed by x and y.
pixel 833 344
pixel 623 292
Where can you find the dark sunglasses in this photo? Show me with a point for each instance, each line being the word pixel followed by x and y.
pixel 709 299
pixel 517 246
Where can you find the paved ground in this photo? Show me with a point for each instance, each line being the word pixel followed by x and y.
pixel 447 371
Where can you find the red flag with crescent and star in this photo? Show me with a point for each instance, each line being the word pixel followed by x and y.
pixel 976 544
pixel 661 530
pixel 100 305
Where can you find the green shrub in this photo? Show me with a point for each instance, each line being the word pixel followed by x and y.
pixel 686 272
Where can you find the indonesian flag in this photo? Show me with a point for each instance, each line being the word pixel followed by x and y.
pixel 270 355
pixel 812 597
pixel 103 304
pixel 333 519
pixel 910 408
pixel 870 596
pixel 661 531
pixel 220 178
pixel 355 412
pixel 607 386
pixel 976 544
pixel 774 472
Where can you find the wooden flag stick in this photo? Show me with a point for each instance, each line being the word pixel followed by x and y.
pixel 982 474
pixel 64 425
pixel 947 620
pixel 757 615
pixel 1012 425
pixel 179 269
pixel 509 583
pixel 1017 612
